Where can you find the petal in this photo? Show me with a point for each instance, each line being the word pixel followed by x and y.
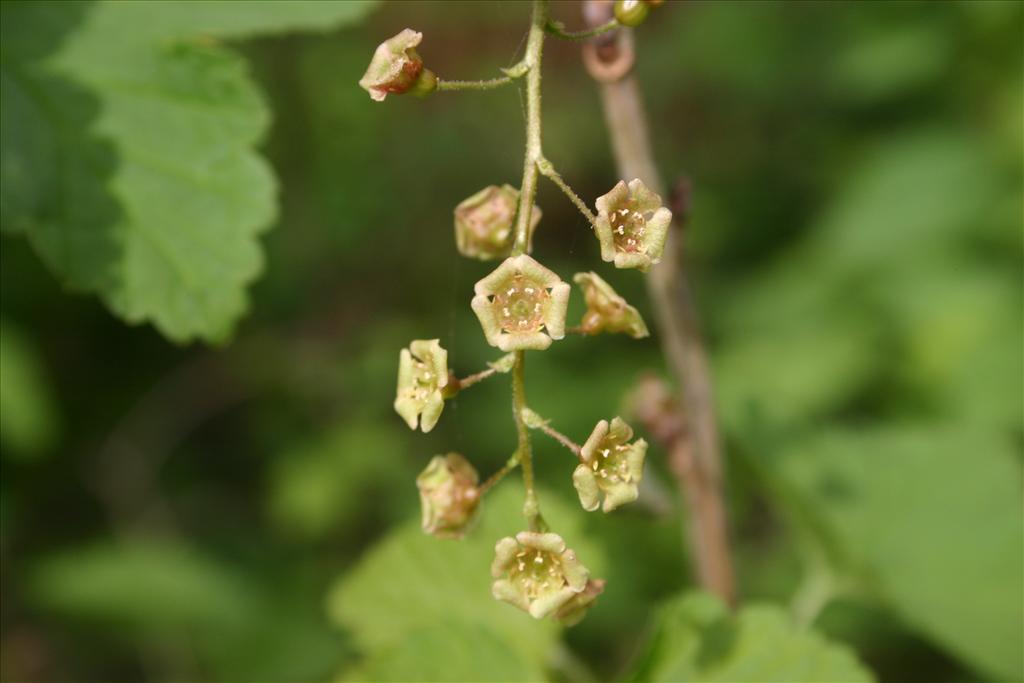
pixel 546 604
pixel 603 229
pixel 585 482
pixel 552 543
pixel 506 591
pixel 619 430
pixel 615 196
pixel 634 323
pixel 635 460
pixel 593 441
pixel 431 411
pixel 657 233
pixel 409 409
pixel 481 305
pixel 575 573
pixel 495 280
pixel 554 316
pixel 537 341
pixel 626 260
pixel 535 271
pixel 619 494
pixel 646 199
pixel 504 553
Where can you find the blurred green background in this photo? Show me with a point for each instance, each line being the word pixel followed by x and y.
pixel 247 512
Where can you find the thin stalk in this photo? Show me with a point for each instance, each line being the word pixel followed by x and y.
pixel 548 171
pixel 561 438
pixel 527 194
pixel 509 465
pixel 557 29
pixel 465 382
pixel 486 84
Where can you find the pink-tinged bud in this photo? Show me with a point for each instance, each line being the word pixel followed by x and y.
pixel 396 68
pixel 632 225
pixel 449 496
pixel 485 223
pixel 536 573
pixel 606 310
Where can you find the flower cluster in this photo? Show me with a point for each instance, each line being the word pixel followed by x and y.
pixel 522 306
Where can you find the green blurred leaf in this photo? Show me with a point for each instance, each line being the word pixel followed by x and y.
pixel 449 651
pixel 142 584
pixel 930 521
pixel 129 151
pixel 696 639
pixel 409 581
pixel 28 418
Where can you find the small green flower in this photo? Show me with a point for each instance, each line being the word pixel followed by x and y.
pixel 449 496
pixel 521 305
pixel 632 225
pixel 422 374
pixel 610 465
pixel 485 222
pixel 397 68
pixel 572 612
pixel 536 573
pixel 606 310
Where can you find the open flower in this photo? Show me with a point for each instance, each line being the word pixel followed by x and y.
pixel 606 310
pixel 632 225
pixel 610 466
pixel 536 573
pixel 397 68
pixel 521 305
pixel 485 222
pixel 572 612
pixel 422 374
pixel 449 495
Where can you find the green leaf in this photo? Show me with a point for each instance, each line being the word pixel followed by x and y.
pixel 129 154
pixel 410 581
pixel 449 651
pixel 929 519
pixel 697 639
pixel 142 584
pixel 28 420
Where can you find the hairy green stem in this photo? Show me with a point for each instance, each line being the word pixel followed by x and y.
pixel 557 29
pixel 547 170
pixel 561 438
pixel 509 465
pixel 487 84
pixel 527 194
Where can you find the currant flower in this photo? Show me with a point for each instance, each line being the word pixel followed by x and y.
pixel 521 305
pixel 632 225
pixel 536 573
pixel 572 612
pixel 449 496
pixel 422 374
pixel 484 223
pixel 397 68
pixel 606 310
pixel 610 466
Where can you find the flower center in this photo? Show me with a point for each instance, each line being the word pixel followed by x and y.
pixel 609 464
pixel 628 227
pixel 425 380
pixel 519 306
pixel 537 572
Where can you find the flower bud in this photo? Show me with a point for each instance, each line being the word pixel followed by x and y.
pixel 397 68
pixel 521 305
pixel 536 573
pixel 449 496
pixel 572 612
pixel 606 310
pixel 422 377
pixel 631 225
pixel 609 466
pixel 485 223
pixel 631 12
